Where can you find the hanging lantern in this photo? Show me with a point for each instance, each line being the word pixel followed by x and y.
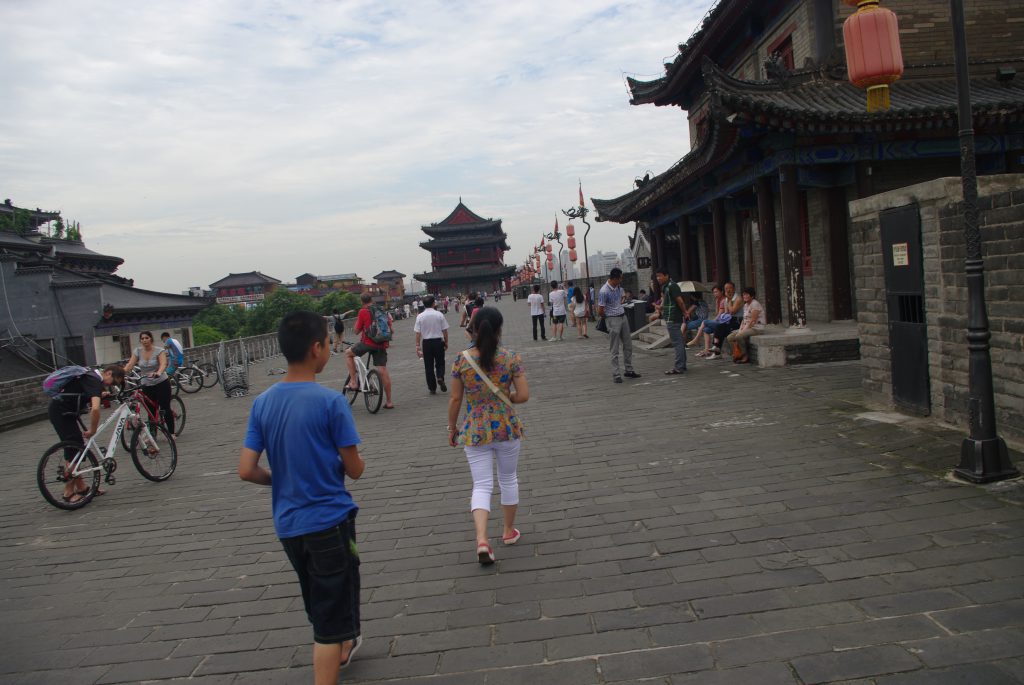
pixel 572 243
pixel 873 56
pixel 570 230
pixel 548 248
pixel 572 254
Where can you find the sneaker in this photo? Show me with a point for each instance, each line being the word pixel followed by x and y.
pixel 440 384
pixel 631 374
pixel 713 355
pixel 485 554
pixel 617 379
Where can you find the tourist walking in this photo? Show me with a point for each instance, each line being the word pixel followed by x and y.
pixel 431 330
pixel 152 363
pixel 491 378
pixel 609 308
pixel 536 302
pixel 579 312
pixel 338 330
pixel 306 429
pixel 672 313
pixel 558 301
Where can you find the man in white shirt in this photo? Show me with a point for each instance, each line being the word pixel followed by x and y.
pixel 557 299
pixel 431 330
pixel 536 302
pixel 754 322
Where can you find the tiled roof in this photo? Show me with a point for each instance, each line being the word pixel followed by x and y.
pixel 248 278
pixel 461 220
pixel 339 277
pixel 388 275
pixel 466 273
pixel 814 101
pixel 75 248
pixel 463 241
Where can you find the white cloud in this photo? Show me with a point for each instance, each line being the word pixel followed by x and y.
pixel 194 139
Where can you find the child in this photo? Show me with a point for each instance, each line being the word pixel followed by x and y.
pixel 305 428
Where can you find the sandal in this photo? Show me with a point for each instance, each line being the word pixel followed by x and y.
pixel 513 538
pixel 351 653
pixel 485 554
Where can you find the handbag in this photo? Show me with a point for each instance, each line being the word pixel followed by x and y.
pixel 724 318
pixel 486 379
pixel 602 325
pixel 737 352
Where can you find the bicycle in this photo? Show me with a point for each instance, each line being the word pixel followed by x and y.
pixel 369 384
pixel 155 456
pixel 189 378
pixel 149 411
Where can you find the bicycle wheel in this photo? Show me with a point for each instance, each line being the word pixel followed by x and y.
pixel 190 379
pixel 349 392
pixel 154 453
pixel 52 476
pixel 178 409
pixel 209 371
pixel 374 394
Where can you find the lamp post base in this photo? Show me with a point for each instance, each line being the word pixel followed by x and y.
pixel 984 461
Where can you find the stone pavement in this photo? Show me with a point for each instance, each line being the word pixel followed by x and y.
pixel 734 525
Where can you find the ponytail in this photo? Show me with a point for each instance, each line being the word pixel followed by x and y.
pixel 486 334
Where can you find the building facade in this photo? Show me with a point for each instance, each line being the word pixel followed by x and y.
pixel 781 142
pixel 244 290
pixel 466 254
pixel 390 285
pixel 65 305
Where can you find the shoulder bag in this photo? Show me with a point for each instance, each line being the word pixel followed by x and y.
pixel 486 379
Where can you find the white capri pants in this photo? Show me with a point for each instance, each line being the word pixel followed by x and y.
pixel 481 460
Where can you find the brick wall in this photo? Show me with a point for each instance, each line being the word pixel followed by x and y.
pixel 1001 204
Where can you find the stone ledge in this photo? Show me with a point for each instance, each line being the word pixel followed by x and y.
pixel 783 346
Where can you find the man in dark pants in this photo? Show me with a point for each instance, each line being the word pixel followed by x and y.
pixel 431 329
pixel 78 395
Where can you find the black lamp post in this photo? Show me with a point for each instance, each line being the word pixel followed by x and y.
pixel 557 237
pixel 581 214
pixel 983 456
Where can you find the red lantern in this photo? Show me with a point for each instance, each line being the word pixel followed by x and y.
pixel 572 252
pixel 548 248
pixel 572 243
pixel 873 56
pixel 570 230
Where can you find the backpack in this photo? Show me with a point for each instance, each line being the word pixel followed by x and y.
pixel 53 384
pixel 380 328
pixel 339 325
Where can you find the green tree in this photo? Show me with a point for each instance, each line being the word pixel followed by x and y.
pixel 267 315
pixel 341 301
pixel 204 334
pixel 226 319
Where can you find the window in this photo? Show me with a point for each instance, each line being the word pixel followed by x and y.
pixel 186 338
pixel 43 349
pixel 74 350
pixel 782 48
pixel 805 234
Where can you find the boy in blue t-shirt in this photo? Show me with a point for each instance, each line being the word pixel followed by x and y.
pixel 311 443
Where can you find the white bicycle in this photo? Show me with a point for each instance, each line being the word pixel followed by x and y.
pixel 369 385
pixel 153 451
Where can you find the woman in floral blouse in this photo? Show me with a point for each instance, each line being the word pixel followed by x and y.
pixel 490 431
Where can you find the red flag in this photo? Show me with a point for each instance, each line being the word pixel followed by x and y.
pixel 582 203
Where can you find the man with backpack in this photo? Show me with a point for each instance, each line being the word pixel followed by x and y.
pixel 74 390
pixel 374 326
pixel 338 329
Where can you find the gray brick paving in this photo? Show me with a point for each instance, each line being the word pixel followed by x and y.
pixel 759 532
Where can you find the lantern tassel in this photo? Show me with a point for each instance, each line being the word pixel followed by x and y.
pixel 878 98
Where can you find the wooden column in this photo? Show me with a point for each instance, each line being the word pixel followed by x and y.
pixel 793 244
pixel 718 231
pixel 683 223
pixel 662 252
pixel 654 248
pixel 839 253
pixel 769 250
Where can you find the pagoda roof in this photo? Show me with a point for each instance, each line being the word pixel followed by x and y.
pixel 461 219
pixel 37 216
pixel 464 241
pixel 339 277
pixel 824 101
pixel 462 274
pixel 388 275
pixel 19 243
pixel 247 278
pixel 813 102
pixel 76 249
pixel 130 301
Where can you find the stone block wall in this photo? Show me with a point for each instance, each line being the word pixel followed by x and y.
pixel 1001 206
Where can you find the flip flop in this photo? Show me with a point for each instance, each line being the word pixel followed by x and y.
pixel 389 406
pixel 351 653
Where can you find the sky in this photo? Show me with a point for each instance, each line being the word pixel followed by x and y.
pixel 194 139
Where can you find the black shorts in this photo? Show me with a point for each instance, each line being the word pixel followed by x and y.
pixel 378 354
pixel 327 563
pixel 559 318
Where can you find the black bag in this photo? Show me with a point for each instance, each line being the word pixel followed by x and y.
pixel 602 325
